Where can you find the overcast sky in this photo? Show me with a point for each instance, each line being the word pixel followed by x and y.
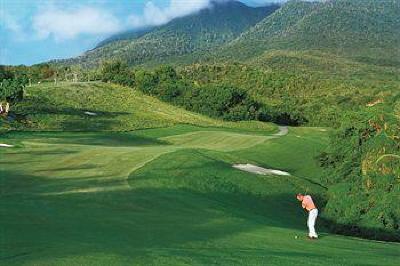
pixel 33 31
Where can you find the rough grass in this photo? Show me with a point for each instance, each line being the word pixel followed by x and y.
pixel 63 106
pixel 152 197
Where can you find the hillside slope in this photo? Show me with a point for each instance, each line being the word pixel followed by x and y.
pixel 96 106
pixel 205 30
pixel 365 30
pixel 122 36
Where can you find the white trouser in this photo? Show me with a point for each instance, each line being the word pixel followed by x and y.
pixel 312 216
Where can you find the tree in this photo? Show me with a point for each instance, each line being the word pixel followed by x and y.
pixel 118 72
pixel 12 90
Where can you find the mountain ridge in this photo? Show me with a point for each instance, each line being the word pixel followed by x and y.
pixel 206 29
pixel 363 30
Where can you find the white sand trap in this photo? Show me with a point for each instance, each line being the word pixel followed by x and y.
pixel 259 170
pixel 6 145
pixel 90 113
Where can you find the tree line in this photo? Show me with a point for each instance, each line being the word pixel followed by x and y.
pixel 223 100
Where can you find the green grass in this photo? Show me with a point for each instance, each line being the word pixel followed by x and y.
pixel 215 140
pixel 166 196
pixel 62 107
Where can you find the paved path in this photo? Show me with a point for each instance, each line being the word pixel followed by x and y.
pixel 283 131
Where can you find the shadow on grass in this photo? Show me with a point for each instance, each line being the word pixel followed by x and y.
pixel 116 139
pixel 43 106
pixel 117 222
pixel 130 222
pixel 77 119
pixel 361 231
pixel 41 153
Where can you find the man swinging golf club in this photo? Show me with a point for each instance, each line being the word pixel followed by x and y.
pixel 308 204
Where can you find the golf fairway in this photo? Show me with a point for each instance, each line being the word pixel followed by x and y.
pixel 167 196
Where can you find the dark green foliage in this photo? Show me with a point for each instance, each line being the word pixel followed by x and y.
pixel 5 73
pixel 302 95
pixel 11 86
pixel 223 101
pixel 118 72
pixel 363 172
pixel 12 89
pixel 218 101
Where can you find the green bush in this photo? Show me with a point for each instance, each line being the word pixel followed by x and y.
pixel 117 72
pixel 215 100
pixel 363 173
pixel 11 85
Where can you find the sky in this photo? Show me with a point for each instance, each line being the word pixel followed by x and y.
pixel 35 31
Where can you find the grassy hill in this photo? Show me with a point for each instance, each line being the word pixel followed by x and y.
pixel 111 108
pixel 205 30
pixel 166 196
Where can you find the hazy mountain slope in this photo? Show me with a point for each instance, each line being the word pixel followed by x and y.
pixel 207 29
pixel 123 36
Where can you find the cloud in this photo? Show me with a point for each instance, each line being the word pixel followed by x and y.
pixel 69 20
pixel 68 24
pixel 154 15
pixel 10 23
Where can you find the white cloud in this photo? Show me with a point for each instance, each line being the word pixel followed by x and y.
pixel 68 24
pixel 64 21
pixel 10 23
pixel 154 15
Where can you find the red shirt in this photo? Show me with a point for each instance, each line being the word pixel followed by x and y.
pixel 307 203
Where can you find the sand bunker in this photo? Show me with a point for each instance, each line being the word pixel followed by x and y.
pixel 259 170
pixel 90 113
pixel 6 145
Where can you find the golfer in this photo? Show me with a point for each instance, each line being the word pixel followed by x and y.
pixel 308 204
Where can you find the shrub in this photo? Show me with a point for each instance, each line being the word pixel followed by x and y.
pixel 363 170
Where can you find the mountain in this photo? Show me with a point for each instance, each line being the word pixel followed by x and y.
pixel 364 30
pixel 125 35
pixel 205 30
